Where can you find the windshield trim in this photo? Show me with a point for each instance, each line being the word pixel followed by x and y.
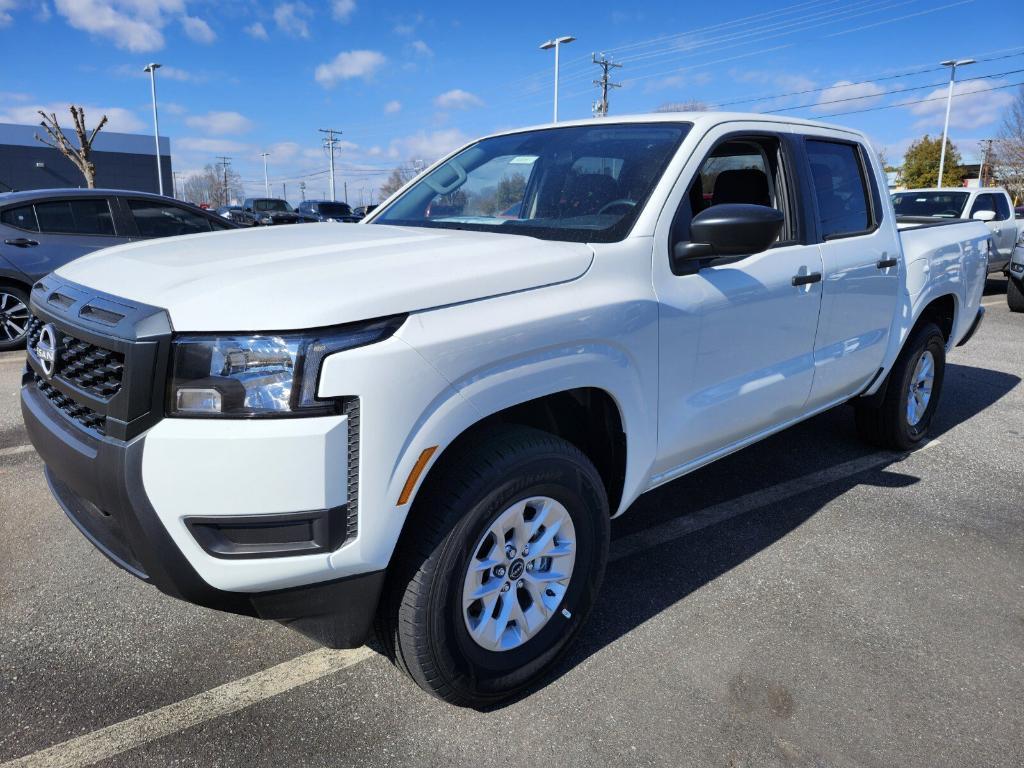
pixel 615 233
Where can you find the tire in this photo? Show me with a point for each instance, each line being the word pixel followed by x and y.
pixel 14 316
pixel 1014 295
pixel 424 623
pixel 889 424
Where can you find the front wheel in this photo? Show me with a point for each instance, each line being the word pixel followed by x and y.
pixel 498 567
pixel 1014 295
pixel 901 420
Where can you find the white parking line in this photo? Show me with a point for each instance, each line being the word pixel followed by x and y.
pixel 309 667
pixel 16 449
pixel 222 700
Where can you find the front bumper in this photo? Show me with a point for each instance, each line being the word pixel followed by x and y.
pixel 133 482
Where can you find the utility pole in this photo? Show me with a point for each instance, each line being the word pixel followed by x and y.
pixel 225 162
pixel 984 162
pixel 266 180
pixel 329 142
pixel 606 65
pixel 346 193
pixel 302 189
pixel 284 191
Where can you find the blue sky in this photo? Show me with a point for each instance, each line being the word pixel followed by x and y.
pixel 407 80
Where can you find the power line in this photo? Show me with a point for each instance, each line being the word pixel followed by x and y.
pixel 922 101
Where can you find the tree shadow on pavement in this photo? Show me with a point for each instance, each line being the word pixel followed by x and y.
pixel 640 586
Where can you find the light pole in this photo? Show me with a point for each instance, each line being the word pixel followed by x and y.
pixel 266 181
pixel 556 43
pixel 952 64
pixel 151 69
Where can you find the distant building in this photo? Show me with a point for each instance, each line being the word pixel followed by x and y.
pixel 123 161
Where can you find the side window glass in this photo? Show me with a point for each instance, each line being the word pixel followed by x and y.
pixel 22 218
pixel 983 203
pixel 1002 207
pixel 92 217
pixel 737 171
pixel 155 219
pixel 55 217
pixel 840 188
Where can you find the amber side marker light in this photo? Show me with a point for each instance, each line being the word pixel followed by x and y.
pixel 414 476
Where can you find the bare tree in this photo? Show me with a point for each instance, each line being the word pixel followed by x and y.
pixel 394 182
pixel 1008 150
pixel 207 186
pixel 81 157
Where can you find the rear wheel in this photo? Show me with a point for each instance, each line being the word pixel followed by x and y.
pixel 498 567
pixel 901 420
pixel 14 317
pixel 1014 295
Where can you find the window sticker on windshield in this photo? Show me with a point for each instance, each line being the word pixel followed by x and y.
pixel 522 160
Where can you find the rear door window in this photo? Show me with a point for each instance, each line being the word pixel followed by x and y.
pixel 157 219
pixel 840 188
pixel 89 216
pixel 23 217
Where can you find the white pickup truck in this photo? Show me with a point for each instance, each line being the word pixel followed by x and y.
pixel 427 420
pixel 991 205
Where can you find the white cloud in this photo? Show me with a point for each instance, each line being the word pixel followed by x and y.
pixel 421 48
pixel 220 123
pixel 457 99
pixel 974 105
pixel 291 18
pixel 6 6
pixel 349 64
pixel 282 152
pixel 343 9
pixel 198 30
pixel 210 145
pixel 393 107
pixel 257 31
pixel 119 120
pixel 134 26
pixel 846 95
pixel 427 146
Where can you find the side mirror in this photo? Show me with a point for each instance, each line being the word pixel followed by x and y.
pixel 985 216
pixel 733 229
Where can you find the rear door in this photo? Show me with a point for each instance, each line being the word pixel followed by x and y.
pixel 55 231
pixel 860 252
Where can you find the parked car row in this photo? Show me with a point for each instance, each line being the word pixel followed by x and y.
pixel 267 211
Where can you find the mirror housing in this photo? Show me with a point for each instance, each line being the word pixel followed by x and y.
pixel 732 229
pixel 985 216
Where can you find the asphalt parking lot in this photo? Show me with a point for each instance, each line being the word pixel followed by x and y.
pixel 807 601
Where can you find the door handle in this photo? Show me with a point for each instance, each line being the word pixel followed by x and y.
pixel 814 277
pixel 21 242
pixel 886 263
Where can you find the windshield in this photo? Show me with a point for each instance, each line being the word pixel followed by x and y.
pixel 582 183
pixel 941 204
pixel 330 210
pixel 269 204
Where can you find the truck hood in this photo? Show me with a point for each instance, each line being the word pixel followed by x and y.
pixel 310 275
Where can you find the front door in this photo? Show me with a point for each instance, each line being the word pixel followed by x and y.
pixel 736 337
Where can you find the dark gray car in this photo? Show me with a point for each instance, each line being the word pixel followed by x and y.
pixel 41 230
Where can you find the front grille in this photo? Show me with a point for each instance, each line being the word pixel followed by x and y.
pixel 87 417
pixel 86 366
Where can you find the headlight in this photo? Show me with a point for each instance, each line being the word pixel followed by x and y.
pixel 272 374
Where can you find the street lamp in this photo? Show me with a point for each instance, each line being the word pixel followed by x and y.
pixel 151 69
pixel 952 64
pixel 558 41
pixel 266 180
